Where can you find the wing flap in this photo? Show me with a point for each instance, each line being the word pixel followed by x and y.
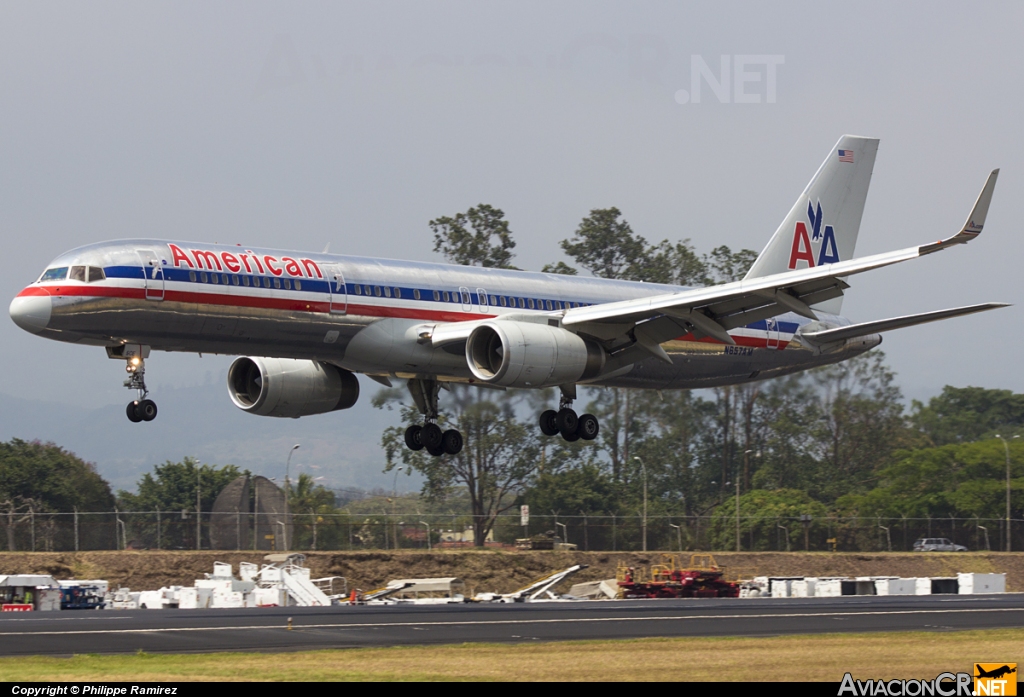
pixel 828 336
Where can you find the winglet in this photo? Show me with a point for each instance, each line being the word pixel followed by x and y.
pixel 975 221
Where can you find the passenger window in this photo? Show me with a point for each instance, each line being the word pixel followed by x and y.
pixel 359 289
pixel 277 283
pixel 503 301
pixel 266 281
pixel 298 284
pixel 192 276
pixel 387 291
pixel 215 278
pixel 202 277
pixel 96 274
pixel 56 274
pixel 530 301
pixel 416 293
pixel 77 274
pixel 287 284
pixel 446 297
pixel 366 289
pixel 234 280
pixel 465 297
pixel 437 296
pixel 376 291
pixel 547 304
pixel 522 303
pixel 398 293
pixel 245 280
pixel 493 299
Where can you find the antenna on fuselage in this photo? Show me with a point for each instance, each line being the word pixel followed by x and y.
pixel 327 248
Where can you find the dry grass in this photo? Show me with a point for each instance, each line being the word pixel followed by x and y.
pixel 819 657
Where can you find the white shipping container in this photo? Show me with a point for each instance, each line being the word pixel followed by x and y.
pixel 828 588
pixel 922 586
pixel 803 588
pixel 970 584
pixel 780 587
pixel 896 586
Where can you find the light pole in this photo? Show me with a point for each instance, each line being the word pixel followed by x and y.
pixel 1008 519
pixel 199 511
pixel 423 522
pixel 287 467
pixel 679 534
pixel 394 498
pixel 644 469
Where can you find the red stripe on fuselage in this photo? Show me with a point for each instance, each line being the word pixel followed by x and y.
pixel 321 307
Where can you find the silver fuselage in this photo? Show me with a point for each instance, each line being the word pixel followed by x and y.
pixel 363 314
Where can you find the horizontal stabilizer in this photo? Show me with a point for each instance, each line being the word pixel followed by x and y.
pixel 853 331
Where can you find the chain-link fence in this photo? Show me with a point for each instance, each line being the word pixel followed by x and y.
pixel 183 530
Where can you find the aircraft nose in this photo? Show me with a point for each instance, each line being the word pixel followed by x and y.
pixel 31 312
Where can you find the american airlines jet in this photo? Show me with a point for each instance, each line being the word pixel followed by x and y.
pixel 306 323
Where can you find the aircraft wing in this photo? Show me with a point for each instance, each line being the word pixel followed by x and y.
pixel 713 311
pixel 853 331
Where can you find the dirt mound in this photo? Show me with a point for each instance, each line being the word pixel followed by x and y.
pixel 497 571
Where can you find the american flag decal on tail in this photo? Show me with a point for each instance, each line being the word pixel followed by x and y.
pixel 845 155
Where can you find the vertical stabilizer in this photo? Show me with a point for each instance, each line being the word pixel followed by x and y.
pixel 822 226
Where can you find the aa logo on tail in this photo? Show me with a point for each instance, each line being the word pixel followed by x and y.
pixel 823 240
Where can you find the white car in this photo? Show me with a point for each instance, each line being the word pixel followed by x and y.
pixel 937 544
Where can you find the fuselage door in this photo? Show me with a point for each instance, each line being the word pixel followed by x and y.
pixel 481 299
pixel 336 289
pixel 467 299
pixel 153 272
pixel 773 333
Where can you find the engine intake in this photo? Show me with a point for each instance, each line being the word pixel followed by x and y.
pixel 286 387
pixel 524 354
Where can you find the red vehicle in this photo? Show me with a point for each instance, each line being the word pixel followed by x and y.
pixel 703 579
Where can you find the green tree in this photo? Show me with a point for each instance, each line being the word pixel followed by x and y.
pixel 478 237
pixel 560 268
pixel 962 414
pixel 761 514
pixel 42 477
pixel 312 508
pixel 606 246
pixel 500 456
pixel 171 487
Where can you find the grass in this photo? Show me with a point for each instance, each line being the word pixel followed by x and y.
pixel 819 657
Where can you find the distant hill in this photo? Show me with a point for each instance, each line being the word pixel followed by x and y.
pixel 200 421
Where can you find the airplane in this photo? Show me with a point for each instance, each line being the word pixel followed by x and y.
pixel 305 324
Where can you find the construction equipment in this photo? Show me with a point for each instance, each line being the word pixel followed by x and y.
pixel 546 540
pixel 702 579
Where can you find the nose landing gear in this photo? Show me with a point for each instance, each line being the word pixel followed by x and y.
pixel 429 435
pixel 566 422
pixel 141 409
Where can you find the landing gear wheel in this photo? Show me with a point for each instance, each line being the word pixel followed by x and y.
pixel 571 437
pixel 147 409
pixel 588 427
pixel 567 422
pixel 133 412
pixel 451 442
pixel 431 436
pixel 436 452
pixel 549 423
pixel 414 437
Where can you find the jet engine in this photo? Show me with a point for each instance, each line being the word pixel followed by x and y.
pixel 524 354
pixel 292 388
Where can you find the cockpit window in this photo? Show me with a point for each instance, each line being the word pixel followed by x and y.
pixel 77 274
pixel 55 274
pixel 96 274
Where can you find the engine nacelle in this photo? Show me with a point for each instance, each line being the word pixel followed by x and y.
pixel 292 388
pixel 525 354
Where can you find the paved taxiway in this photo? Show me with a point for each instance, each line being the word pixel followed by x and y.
pixel 63 633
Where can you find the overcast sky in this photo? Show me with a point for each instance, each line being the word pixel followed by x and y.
pixel 298 124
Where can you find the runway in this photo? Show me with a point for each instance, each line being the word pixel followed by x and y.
pixel 266 629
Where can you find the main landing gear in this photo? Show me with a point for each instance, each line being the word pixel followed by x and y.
pixel 430 435
pixel 566 422
pixel 141 409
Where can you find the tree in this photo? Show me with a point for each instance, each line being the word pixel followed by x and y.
pixel 606 246
pixel 307 502
pixel 171 487
pixel 478 237
pixel 500 456
pixel 42 477
pixel 560 268
pixel 962 414
pixel 761 514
